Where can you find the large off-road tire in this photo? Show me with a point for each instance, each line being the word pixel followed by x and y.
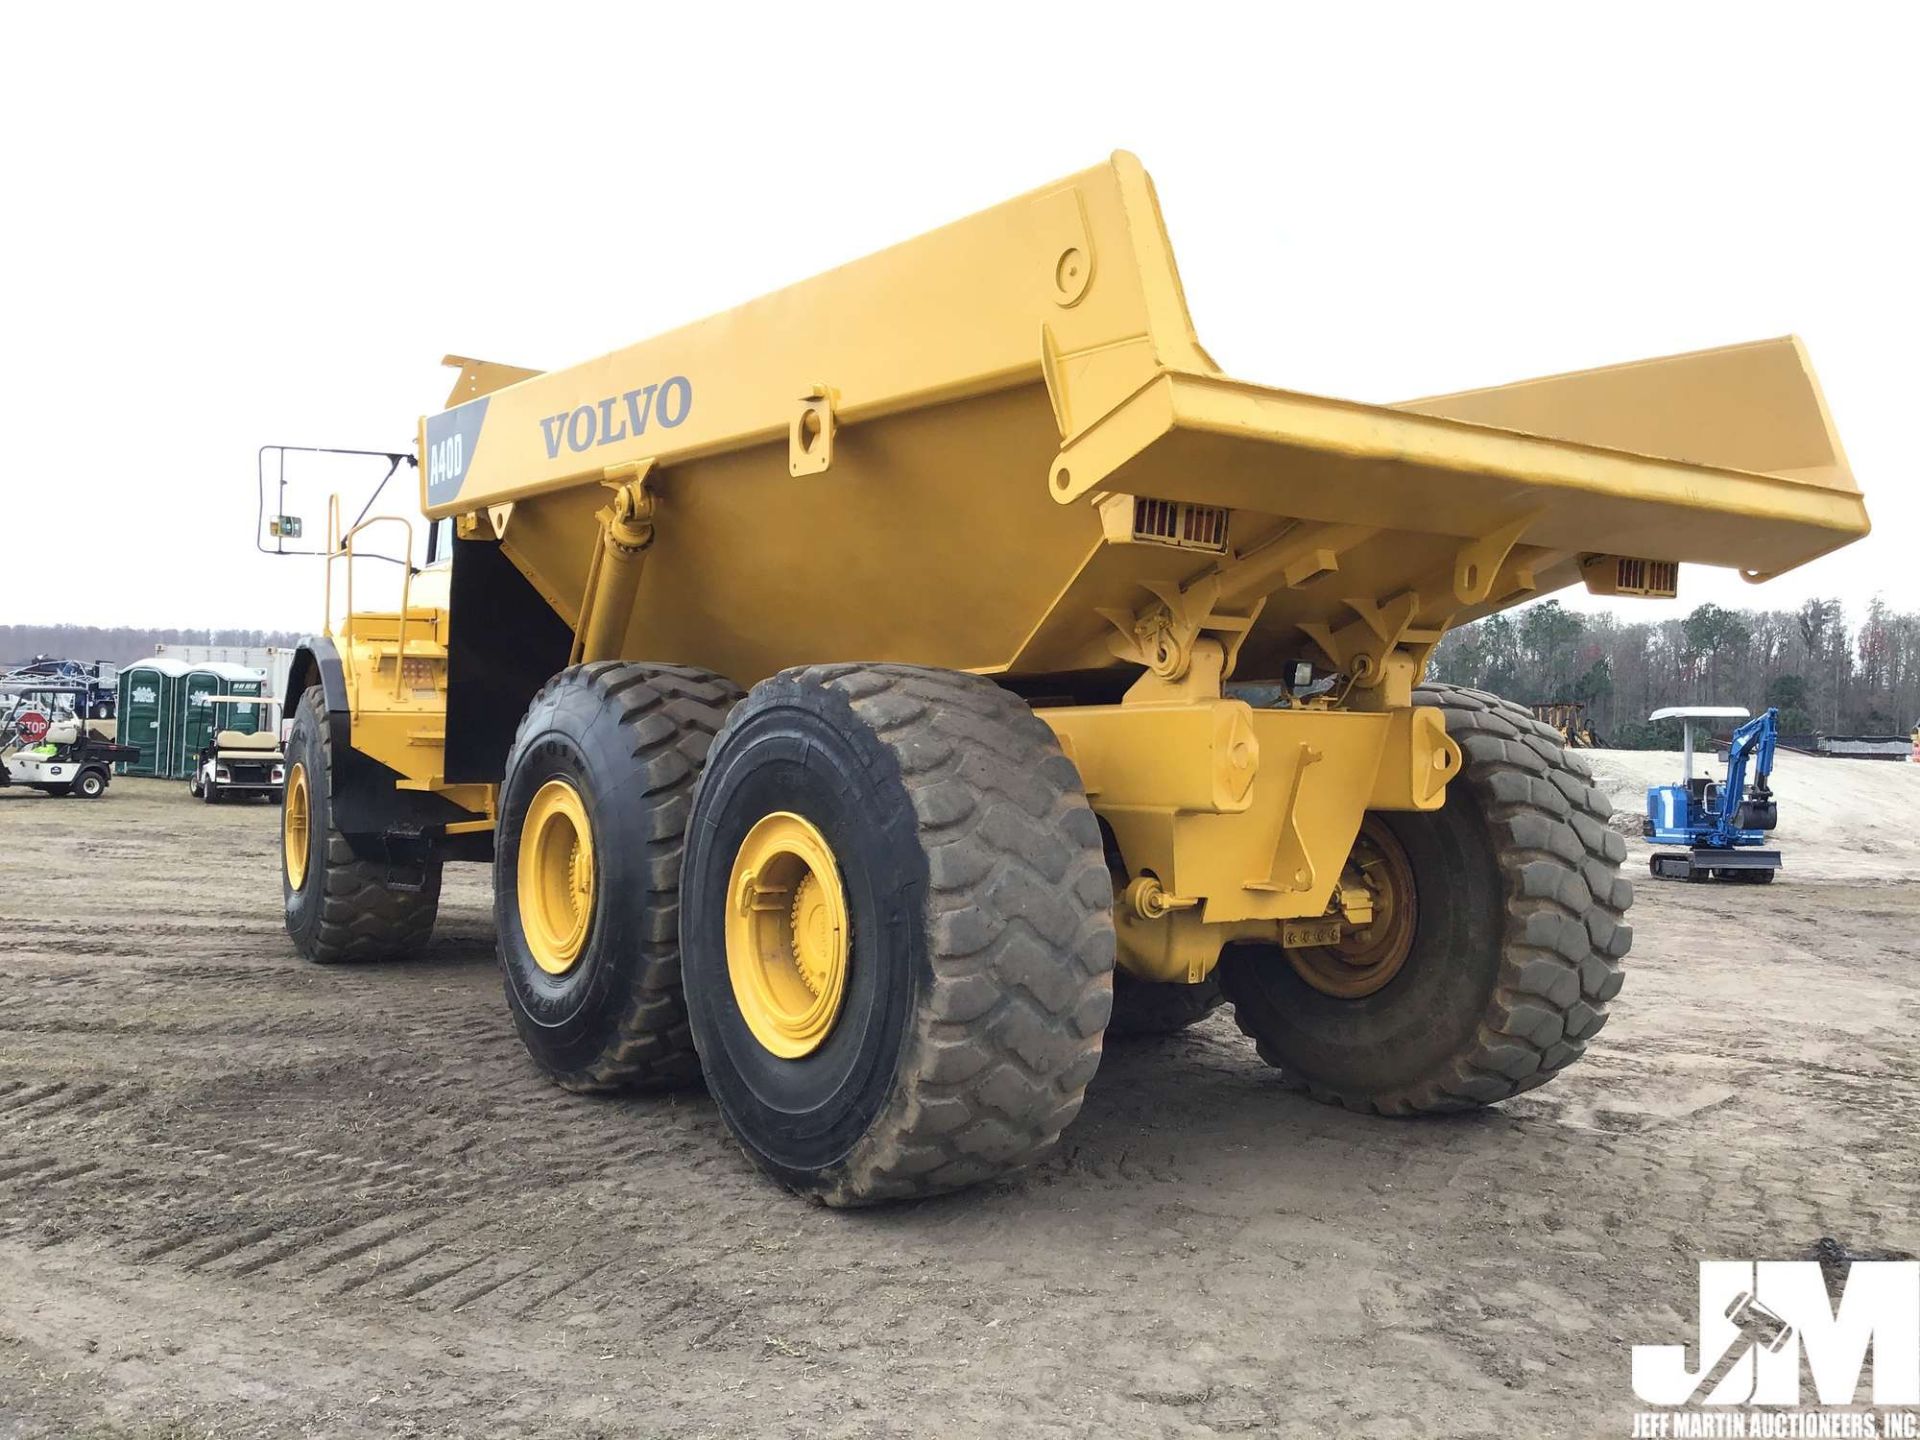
pixel 339 908
pixel 949 889
pixel 1517 940
pixel 1152 1007
pixel 593 973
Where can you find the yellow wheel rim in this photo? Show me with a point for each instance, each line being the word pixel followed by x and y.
pixel 295 811
pixel 555 878
pixel 788 935
pixel 1367 958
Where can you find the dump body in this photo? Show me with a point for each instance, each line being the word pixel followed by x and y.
pixel 1000 448
pixel 949 453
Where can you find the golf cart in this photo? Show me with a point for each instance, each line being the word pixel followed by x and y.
pixel 59 754
pixel 238 764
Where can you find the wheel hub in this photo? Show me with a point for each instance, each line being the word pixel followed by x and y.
pixel 555 877
pixel 294 815
pixel 789 939
pixel 1369 956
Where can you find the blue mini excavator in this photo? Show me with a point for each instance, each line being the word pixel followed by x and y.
pixel 1722 825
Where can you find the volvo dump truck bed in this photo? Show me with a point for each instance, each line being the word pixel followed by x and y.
pixel 988 387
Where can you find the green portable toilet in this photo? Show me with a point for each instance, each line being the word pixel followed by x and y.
pixel 195 723
pixel 147 712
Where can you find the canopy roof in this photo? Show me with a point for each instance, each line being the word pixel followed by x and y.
pixel 1702 712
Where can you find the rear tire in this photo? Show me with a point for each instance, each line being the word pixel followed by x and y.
pixel 342 909
pixel 1517 943
pixel 602 1008
pixel 973 978
pixel 90 785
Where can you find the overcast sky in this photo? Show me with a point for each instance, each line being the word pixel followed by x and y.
pixel 270 225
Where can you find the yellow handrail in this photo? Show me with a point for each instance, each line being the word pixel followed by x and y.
pixel 333 529
pixel 341 543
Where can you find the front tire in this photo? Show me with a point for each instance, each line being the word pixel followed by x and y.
pixel 1516 945
pixel 898 929
pixel 1144 1008
pixel 587 867
pixel 339 908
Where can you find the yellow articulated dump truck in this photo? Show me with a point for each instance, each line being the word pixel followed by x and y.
pixel 874 696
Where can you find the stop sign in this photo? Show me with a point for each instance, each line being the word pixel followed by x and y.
pixel 31 725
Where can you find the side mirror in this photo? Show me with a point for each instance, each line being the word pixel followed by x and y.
pixel 317 472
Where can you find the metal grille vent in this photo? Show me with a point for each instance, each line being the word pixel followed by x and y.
pixel 1172 522
pixel 1658 578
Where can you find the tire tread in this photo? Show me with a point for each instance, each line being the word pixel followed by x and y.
pixel 1564 933
pixel 1019 934
pixel 1143 1008
pixel 362 918
pixel 669 715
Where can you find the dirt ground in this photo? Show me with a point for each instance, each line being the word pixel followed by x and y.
pixel 241 1195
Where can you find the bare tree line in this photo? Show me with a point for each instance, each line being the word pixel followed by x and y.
pixel 119 644
pixel 1824 676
